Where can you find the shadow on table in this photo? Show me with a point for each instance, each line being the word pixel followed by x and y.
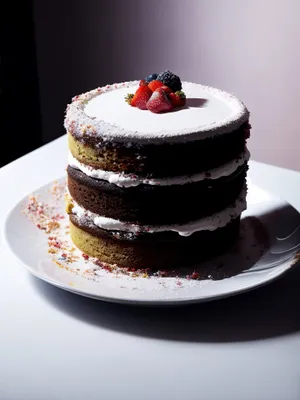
pixel 267 312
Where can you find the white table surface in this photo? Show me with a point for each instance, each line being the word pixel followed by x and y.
pixel 56 345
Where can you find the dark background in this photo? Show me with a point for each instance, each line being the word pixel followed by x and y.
pixel 53 50
pixel 20 126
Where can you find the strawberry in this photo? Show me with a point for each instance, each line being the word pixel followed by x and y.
pixel 153 85
pixel 143 83
pixel 140 98
pixel 166 89
pixel 159 102
pixel 178 98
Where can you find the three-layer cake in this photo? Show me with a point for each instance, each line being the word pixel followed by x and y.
pixel 151 189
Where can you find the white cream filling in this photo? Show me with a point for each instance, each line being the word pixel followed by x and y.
pixel 209 223
pixel 124 180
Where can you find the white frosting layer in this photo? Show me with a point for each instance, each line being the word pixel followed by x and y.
pixel 210 223
pixel 104 113
pixel 124 180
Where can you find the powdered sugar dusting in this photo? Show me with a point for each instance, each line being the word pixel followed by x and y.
pixel 110 118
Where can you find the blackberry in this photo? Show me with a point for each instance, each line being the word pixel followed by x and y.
pixel 171 80
pixel 151 78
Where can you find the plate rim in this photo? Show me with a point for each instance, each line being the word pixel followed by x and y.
pixel 149 302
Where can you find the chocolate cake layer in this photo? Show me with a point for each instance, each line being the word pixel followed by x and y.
pixel 156 205
pixel 166 159
pixel 156 250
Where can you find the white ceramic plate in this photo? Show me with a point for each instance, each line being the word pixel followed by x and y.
pixel 270 239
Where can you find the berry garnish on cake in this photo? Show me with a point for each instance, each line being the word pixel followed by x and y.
pixel 178 98
pixel 143 83
pixel 155 84
pixel 151 77
pixel 158 93
pixel 140 98
pixel 159 102
pixel 171 80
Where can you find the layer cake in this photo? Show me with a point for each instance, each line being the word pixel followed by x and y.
pixel 156 189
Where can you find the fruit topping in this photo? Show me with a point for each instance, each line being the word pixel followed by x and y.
pixel 151 78
pixel 140 98
pixel 166 89
pixel 178 98
pixel 159 102
pixel 158 93
pixel 143 83
pixel 171 80
pixel 153 85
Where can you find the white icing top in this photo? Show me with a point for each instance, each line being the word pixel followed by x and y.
pixel 123 180
pixel 104 113
pixel 210 223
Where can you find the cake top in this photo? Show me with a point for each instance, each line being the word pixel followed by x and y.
pixel 104 113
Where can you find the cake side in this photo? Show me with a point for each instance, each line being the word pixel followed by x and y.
pixel 156 187
pixel 154 255
pixel 155 204
pixel 155 246
pixel 161 160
